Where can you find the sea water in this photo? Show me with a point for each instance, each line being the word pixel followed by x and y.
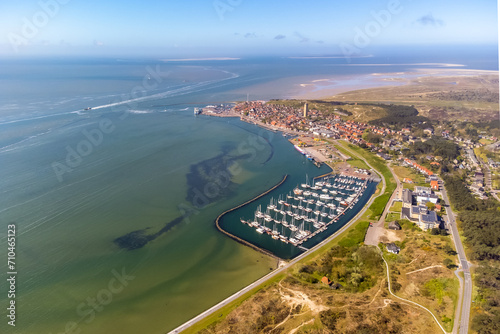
pixel 95 151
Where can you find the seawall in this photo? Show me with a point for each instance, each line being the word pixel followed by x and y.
pixel 244 242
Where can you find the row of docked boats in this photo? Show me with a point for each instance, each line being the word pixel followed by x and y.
pixel 309 209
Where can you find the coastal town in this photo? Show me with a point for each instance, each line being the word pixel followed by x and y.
pixel 312 131
pixel 435 165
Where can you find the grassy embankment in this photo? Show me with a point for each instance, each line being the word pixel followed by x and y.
pixel 297 299
pixel 378 205
pixel 352 236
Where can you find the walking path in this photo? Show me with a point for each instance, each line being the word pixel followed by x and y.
pixel 416 271
pixel 262 280
pixel 406 300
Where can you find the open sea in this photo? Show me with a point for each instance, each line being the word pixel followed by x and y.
pixel 114 206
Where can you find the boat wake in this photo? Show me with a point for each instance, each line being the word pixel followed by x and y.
pixel 171 93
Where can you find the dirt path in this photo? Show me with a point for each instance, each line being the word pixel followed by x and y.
pixel 416 271
pixel 293 331
pixel 406 300
pixel 296 298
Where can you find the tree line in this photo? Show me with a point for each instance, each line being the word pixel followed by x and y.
pixel 480 221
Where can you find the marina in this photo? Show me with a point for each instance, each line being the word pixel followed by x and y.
pixel 309 210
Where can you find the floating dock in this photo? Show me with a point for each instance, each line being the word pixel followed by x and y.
pixel 309 209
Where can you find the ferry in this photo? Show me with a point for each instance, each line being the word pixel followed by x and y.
pixel 300 150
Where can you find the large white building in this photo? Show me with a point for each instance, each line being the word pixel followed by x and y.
pixel 424 195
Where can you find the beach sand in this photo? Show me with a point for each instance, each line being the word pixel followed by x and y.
pixel 328 87
pixel 316 87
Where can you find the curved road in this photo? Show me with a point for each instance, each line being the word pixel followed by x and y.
pixel 260 281
pixel 467 294
pixel 406 300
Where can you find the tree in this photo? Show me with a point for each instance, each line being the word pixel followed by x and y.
pixel 435 231
pixel 448 263
pixel 373 138
pixel 430 206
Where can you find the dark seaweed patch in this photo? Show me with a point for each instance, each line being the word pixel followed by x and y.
pixel 210 180
pixel 138 239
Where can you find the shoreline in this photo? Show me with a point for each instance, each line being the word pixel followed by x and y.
pixel 233 114
pixel 327 88
pixel 256 285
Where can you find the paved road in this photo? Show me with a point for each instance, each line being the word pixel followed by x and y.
pixel 467 292
pixel 373 235
pixel 255 284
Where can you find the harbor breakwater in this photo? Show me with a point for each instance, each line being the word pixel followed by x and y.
pixel 244 242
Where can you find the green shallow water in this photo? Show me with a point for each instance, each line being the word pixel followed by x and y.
pixel 139 178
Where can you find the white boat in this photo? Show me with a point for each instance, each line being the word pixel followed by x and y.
pixel 316 226
pixel 297 191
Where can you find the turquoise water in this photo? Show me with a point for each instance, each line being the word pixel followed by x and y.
pixel 138 167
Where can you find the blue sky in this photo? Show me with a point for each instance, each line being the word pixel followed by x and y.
pixel 196 28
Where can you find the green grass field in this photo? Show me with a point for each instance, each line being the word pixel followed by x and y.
pixel 406 172
pixel 392 216
pixel 377 208
pixel 397 206
pixel 358 163
pixel 352 236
